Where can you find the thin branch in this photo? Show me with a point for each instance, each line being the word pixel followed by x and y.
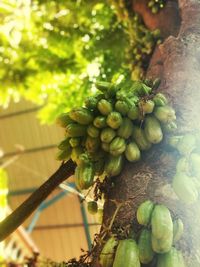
pixel 17 217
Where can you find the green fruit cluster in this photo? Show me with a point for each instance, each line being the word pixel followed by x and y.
pixel 159 234
pixel 116 124
pixel 186 182
pixel 120 253
pixel 156 5
pixel 156 240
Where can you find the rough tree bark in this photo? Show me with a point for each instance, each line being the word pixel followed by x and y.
pixel 177 62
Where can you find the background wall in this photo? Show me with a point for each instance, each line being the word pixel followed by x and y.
pixel 62 226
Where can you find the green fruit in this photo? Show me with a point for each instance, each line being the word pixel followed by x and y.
pixel 92 207
pixel 76 152
pixel 140 138
pixel 105 147
pixel 141 89
pixel 63 120
pixel 100 122
pixel 165 114
pixel 127 254
pixel 132 152
pixel 162 245
pixel 173 258
pixel 103 86
pixel 114 120
pixel 91 102
pixel 122 107
pixel 186 144
pixel 74 141
pixel 81 115
pixel 93 131
pixel 107 135
pixel 144 212
pixel 75 130
pixel 92 144
pixel 113 165
pixel 117 146
pixel 170 127
pixel 161 222
pixel 134 113
pixel 160 100
pixel 104 106
pixel 195 164
pixel 65 144
pixel 152 129
pixel 146 252
pixel 84 159
pixel 185 188
pixel 173 140
pixel 178 228
pixel 108 252
pixel 64 154
pixel 84 176
pixel 182 165
pixel 126 128
pixel 146 106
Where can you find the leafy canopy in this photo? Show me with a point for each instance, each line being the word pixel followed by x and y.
pixel 51 52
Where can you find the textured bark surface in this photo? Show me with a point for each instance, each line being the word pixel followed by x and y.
pixel 177 63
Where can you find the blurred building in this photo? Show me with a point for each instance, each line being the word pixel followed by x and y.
pixel 61 226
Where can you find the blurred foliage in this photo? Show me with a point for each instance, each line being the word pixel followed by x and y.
pixel 51 52
pixel 3 205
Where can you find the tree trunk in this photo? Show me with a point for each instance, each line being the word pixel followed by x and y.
pixel 177 62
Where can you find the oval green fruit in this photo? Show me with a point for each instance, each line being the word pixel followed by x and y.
pixel 75 130
pixel 107 135
pixel 165 114
pixel 139 137
pixel 113 165
pixel 114 120
pixel 185 188
pixel 108 252
pixel 127 254
pixel 162 246
pixel 161 222
pixel 84 176
pixel 144 212
pixel 126 128
pixel 93 131
pixel 178 228
pixel 92 207
pixel 173 258
pixel 146 107
pixel 152 129
pixel 186 144
pixel 63 120
pixel 104 106
pixel 134 113
pixel 117 146
pixel 132 152
pixel 146 252
pixel 122 107
pixel 100 122
pixel 81 115
pixel 74 141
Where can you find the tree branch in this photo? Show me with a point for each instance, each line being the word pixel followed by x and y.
pixel 17 217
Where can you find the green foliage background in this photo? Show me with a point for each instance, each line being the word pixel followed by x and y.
pixel 52 52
